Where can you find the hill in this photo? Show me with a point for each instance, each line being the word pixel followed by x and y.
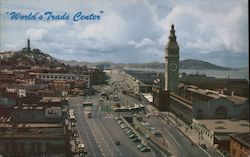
pixel 198 64
pixel 37 58
pixel 28 59
pixel 184 64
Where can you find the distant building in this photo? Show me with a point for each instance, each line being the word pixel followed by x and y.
pixel 68 77
pixel 227 86
pixel 209 104
pixel 97 76
pixel 240 145
pixel 5 55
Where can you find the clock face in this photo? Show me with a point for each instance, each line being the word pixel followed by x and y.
pixel 173 66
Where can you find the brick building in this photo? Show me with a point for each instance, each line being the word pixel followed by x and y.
pixel 240 145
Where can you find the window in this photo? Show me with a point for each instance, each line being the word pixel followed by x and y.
pixel 32 146
pixel 47 146
pixel 21 147
pixel 14 147
pixel 234 152
pixel 200 114
pixel 38 147
pixel 6 147
pixel 221 112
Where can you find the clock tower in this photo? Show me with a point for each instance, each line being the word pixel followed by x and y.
pixel 171 62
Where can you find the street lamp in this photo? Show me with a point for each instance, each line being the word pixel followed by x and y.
pixel 199 138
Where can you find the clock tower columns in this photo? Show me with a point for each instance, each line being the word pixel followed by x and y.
pixel 171 62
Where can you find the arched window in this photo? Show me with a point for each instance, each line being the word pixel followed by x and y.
pixel 244 113
pixel 221 112
pixel 200 114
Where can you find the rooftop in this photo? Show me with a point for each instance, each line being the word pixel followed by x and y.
pixel 51 99
pixel 31 130
pixel 237 99
pixel 225 125
pixel 243 138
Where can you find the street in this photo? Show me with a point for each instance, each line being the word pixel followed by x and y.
pixel 100 132
pixel 178 143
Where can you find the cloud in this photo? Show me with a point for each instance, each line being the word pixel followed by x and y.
pixel 132 31
pixel 142 43
pixel 208 28
pixel 36 34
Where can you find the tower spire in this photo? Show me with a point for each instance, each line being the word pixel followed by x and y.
pixel 172 37
pixel 28 45
pixel 171 62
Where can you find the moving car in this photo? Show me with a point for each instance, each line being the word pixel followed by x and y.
pixel 89 115
pixel 117 142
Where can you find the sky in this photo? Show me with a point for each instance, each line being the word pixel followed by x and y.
pixel 132 31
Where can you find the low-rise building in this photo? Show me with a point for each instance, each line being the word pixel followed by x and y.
pixel 217 131
pixel 36 114
pixel 33 139
pixel 240 145
pixel 62 76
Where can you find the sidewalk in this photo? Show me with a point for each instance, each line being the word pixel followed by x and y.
pixel 186 130
pixel 192 135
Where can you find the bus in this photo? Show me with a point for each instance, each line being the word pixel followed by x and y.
pixel 72 116
pixel 87 104
pixel 81 148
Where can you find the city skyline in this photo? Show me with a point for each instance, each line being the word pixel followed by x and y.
pixel 128 32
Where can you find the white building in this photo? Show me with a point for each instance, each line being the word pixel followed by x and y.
pixel 20 91
pixel 68 77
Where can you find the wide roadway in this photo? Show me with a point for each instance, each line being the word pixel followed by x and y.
pixel 178 143
pixel 100 132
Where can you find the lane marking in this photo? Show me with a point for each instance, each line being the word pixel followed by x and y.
pixel 85 132
pixel 91 129
pixel 110 137
pixel 97 130
pixel 173 139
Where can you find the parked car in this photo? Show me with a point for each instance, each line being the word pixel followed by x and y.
pixel 129 131
pixel 117 118
pixel 120 121
pixel 126 129
pixel 124 126
pixel 139 146
pixel 136 140
pixel 132 136
pixel 145 149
